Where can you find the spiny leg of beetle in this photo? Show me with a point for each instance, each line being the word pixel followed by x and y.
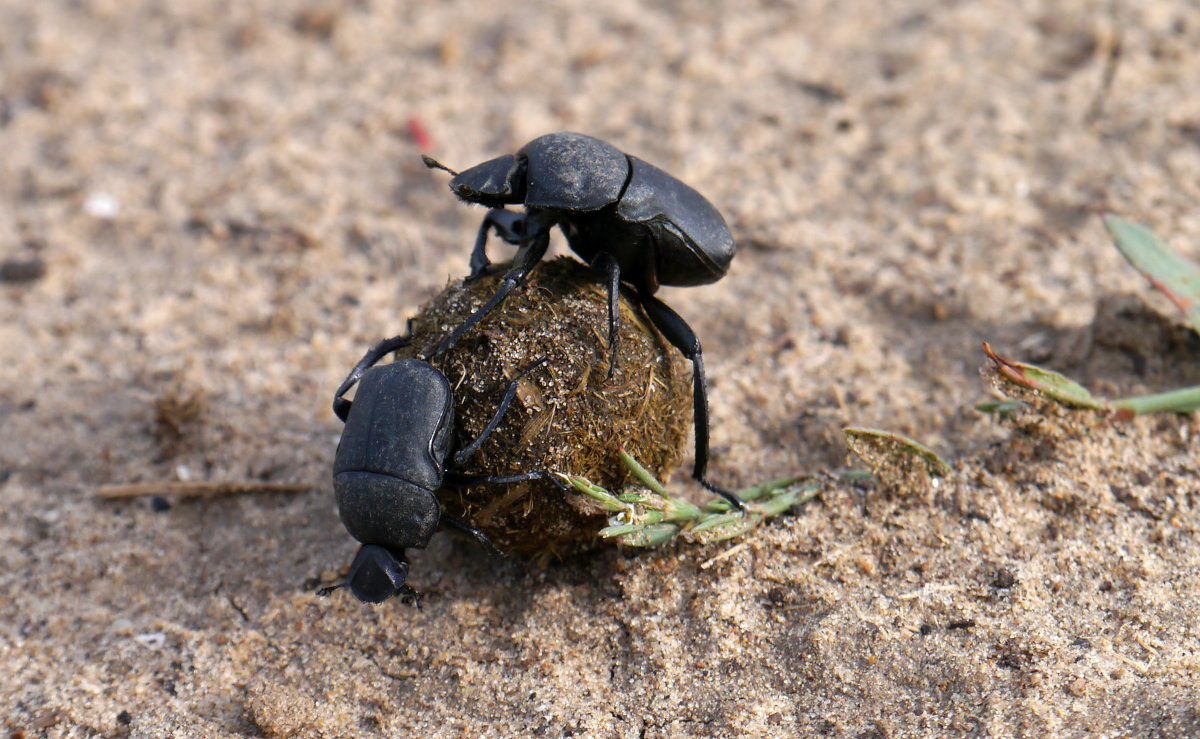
pixel 341 406
pixel 675 330
pixel 608 264
pixel 466 528
pixel 461 480
pixel 531 252
pixel 466 452
pixel 508 227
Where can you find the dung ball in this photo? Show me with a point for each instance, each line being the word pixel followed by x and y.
pixel 568 415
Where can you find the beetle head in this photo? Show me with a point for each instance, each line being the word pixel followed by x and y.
pixel 495 183
pixel 379 573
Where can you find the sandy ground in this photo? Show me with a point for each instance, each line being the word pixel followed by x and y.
pixel 229 206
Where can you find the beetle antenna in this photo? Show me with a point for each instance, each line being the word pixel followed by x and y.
pixel 435 164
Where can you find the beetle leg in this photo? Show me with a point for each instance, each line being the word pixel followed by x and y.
pixel 607 263
pixel 466 528
pixel 341 406
pixel 675 330
pixel 460 480
pixel 462 455
pixel 533 248
pixel 508 227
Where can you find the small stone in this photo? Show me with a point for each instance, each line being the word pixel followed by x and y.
pixel 15 271
pixel 102 205
pixel 152 640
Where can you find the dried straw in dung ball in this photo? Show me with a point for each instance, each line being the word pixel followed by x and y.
pixel 567 415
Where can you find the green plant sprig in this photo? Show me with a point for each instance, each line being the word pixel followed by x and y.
pixel 1175 277
pixel 649 516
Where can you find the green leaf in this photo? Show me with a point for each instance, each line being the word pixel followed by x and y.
pixel 716 521
pixel 599 495
pixel 651 536
pixel 855 477
pixel 753 493
pixel 869 443
pixel 1170 273
pixel 1184 400
pixel 1002 408
pixel 636 496
pixel 611 532
pixel 1069 392
pixel 728 530
pixel 788 500
pixel 642 474
pixel 678 509
pixel 1047 382
pixel 645 518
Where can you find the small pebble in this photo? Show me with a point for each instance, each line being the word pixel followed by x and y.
pixel 152 640
pixel 102 205
pixel 16 271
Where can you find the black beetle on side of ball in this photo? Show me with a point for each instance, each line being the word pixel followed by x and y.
pixel 397 449
pixel 626 218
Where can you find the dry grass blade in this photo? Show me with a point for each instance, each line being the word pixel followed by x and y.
pixel 197 489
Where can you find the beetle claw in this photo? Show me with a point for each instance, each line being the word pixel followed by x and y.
pixel 410 597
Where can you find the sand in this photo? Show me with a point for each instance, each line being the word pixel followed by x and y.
pixel 209 210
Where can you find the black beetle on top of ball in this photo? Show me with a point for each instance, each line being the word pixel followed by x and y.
pixel 624 217
pixel 396 451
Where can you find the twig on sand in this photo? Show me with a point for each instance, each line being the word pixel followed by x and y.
pixel 197 488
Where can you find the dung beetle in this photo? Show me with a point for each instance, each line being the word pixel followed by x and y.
pixel 397 449
pixel 626 218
